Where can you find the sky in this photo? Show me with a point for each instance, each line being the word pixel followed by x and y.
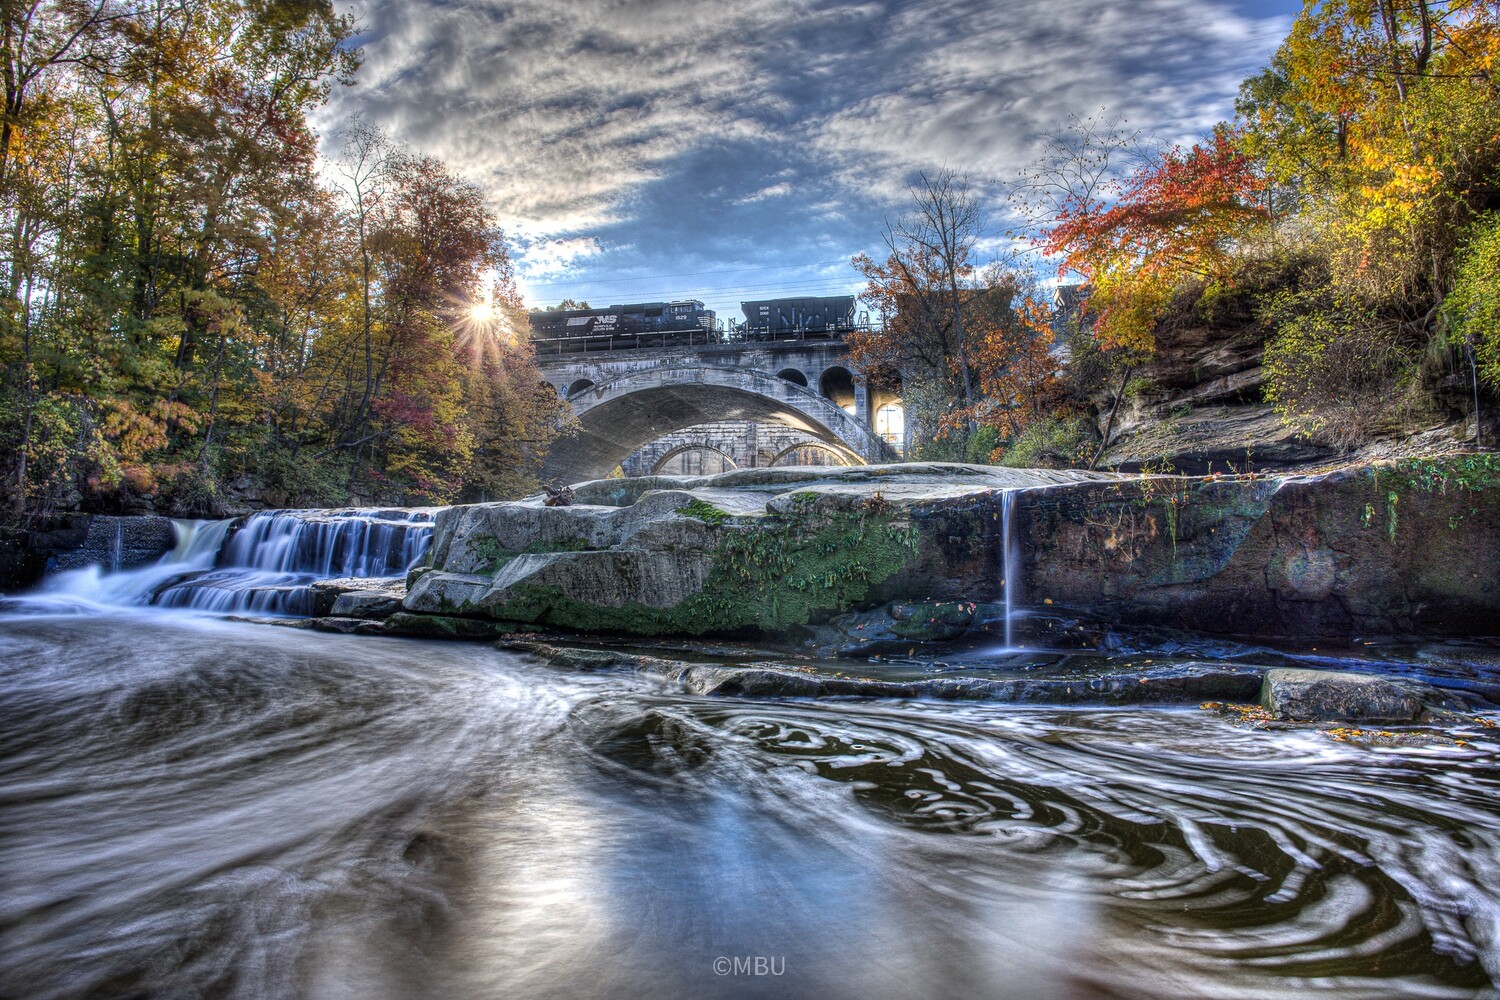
pixel 648 150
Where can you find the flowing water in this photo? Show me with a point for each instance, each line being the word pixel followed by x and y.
pixel 265 564
pixel 192 806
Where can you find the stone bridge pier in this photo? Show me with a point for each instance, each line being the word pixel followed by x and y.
pixel 729 405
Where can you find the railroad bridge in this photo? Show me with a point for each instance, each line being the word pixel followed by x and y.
pixel 714 405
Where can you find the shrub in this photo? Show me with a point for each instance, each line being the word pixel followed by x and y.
pixel 1473 307
pixel 1050 444
pixel 1341 373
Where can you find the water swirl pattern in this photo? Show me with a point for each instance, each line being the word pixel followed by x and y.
pixel 193 807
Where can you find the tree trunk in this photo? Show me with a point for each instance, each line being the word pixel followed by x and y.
pixel 1109 424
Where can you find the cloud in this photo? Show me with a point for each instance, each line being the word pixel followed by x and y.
pixel 780 190
pixel 625 140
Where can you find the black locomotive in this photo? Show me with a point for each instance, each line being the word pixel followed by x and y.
pixel 688 323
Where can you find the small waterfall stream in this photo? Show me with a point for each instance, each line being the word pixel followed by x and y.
pixel 1010 561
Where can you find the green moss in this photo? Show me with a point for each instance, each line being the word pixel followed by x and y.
pixel 493 556
pixel 704 511
pixel 766 576
pixel 490 553
pixel 1468 480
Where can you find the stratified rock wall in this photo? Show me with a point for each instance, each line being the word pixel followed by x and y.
pixel 72 541
pixel 1370 550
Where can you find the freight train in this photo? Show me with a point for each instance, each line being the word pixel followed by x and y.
pixel 688 323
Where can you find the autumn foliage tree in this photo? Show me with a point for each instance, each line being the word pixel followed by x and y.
pixel 1385 116
pixel 1382 118
pixel 1137 240
pixel 187 302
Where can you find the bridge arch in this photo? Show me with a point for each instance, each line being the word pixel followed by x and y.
pixel 578 387
pixel 840 455
pixel 793 375
pixel 692 446
pixel 837 384
pixel 622 414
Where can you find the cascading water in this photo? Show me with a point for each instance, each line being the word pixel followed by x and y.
pixel 271 562
pixel 265 563
pixel 198 544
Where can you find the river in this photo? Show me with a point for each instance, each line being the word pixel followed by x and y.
pixel 191 806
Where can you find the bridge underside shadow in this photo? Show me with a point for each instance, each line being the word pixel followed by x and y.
pixel 618 418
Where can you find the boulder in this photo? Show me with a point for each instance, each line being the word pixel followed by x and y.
pixel 1336 696
pixel 348 626
pixel 365 604
pixel 358 597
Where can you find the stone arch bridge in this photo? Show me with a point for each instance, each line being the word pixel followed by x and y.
pixel 627 400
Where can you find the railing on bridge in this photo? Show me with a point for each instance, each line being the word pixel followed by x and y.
pixel 734 336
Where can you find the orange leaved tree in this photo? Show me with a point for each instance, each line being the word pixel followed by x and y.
pixel 1135 241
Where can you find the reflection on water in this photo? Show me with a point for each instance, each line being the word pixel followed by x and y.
pixel 191 807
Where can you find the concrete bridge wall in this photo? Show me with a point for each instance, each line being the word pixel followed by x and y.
pixel 629 399
pixel 748 444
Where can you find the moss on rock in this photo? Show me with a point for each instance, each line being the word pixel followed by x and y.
pixel 767 575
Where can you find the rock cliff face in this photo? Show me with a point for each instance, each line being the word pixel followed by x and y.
pixel 1408 547
pixel 1198 407
pixel 1412 547
pixel 72 541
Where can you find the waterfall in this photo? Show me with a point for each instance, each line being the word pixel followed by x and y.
pixel 1010 561
pixel 270 564
pixel 267 565
pixel 117 547
pixel 197 547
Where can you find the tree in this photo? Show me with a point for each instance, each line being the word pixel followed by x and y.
pixel 38 36
pixel 921 291
pixel 1013 363
pixel 1134 242
pixel 186 302
pixel 1385 114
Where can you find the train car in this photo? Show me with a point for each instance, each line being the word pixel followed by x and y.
pixel 640 324
pixel 798 319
